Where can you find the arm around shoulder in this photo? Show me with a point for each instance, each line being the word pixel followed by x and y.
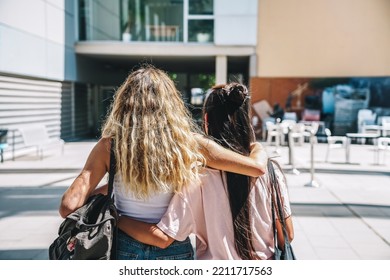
pixel 221 158
pixel 259 156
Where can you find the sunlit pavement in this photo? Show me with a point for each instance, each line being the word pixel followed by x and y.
pixel 346 217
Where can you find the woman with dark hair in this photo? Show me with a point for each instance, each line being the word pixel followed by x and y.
pixel 230 214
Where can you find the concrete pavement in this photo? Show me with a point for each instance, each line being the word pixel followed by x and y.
pixel 347 217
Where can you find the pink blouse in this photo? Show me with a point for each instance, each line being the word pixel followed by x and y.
pixel 203 209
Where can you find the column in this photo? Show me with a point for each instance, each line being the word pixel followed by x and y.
pixel 221 72
pixel 253 66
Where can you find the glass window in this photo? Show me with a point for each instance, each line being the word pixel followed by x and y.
pixel 201 31
pixel 152 20
pixel 201 7
pixel 82 21
pixel 147 20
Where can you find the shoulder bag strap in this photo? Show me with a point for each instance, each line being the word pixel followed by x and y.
pixel 273 218
pixel 112 171
pixel 111 175
pixel 276 197
pixel 281 215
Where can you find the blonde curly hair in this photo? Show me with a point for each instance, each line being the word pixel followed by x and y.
pixel 155 147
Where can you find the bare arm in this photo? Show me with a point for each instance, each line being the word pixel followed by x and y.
pixel 144 232
pixel 94 170
pixel 223 159
pixel 101 190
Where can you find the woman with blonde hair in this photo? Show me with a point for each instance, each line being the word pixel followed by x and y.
pixel 157 155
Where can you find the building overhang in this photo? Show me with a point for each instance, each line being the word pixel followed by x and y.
pixel 115 48
pixel 176 57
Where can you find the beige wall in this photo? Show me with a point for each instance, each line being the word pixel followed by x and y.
pixel 323 38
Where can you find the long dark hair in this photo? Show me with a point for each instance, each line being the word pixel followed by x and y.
pixel 227 109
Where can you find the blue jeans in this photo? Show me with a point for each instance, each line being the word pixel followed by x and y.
pixel 131 249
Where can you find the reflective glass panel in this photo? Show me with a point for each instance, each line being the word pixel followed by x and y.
pixel 201 31
pixel 152 20
pixel 201 7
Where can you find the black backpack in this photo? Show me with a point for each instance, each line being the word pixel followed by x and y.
pixel 90 232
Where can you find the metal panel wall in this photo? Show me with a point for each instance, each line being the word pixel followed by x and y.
pixel 81 111
pixel 66 111
pixel 25 102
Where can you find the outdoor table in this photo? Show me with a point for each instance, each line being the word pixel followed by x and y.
pixel 351 136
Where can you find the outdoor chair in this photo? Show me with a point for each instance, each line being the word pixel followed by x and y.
pixel 382 146
pixel 366 118
pixel 334 142
pixel 38 137
pixel 308 129
pixel 274 133
pixel 297 133
pixel 386 126
pixel 285 125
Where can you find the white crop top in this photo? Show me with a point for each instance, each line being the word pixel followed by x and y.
pixel 149 210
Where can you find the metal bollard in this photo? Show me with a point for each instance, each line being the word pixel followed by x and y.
pixel 291 153
pixel 313 183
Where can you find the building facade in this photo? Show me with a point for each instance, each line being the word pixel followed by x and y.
pixel 61 60
pixel 322 43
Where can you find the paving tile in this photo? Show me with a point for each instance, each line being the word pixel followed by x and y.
pixel 335 254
